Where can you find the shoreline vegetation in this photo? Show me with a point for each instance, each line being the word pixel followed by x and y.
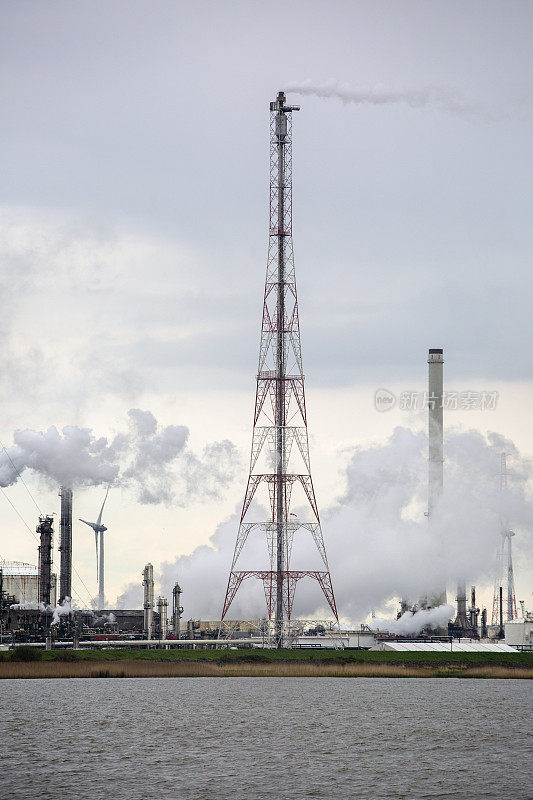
pixel 26 662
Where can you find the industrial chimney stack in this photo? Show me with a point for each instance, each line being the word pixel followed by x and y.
pixel 435 394
pixel 435 437
pixel 65 544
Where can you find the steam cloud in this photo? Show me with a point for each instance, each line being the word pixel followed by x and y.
pixel 59 611
pixel 377 536
pixel 153 460
pixel 103 620
pixel 443 98
pixel 30 605
pixel 410 623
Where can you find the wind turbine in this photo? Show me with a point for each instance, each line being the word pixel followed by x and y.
pixel 98 528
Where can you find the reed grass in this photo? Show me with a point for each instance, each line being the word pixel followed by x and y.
pixel 154 669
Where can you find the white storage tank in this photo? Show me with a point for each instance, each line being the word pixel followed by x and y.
pixel 22 581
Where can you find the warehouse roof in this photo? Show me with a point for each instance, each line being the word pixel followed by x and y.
pixel 448 647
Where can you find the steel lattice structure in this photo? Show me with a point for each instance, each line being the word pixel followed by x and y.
pixel 280 419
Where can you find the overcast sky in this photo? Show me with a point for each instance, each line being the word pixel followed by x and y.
pixel 134 162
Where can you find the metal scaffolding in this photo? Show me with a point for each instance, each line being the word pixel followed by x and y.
pixel 45 529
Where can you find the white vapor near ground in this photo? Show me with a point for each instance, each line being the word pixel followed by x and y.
pixel 379 544
pixel 441 97
pixel 154 460
pixel 412 623
pixel 60 610
pixel 31 605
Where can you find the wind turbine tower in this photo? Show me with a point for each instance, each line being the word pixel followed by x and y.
pixel 99 528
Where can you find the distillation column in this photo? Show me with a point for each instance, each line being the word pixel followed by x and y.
pixel 177 610
pixel 162 610
pixel 45 530
pixel 148 605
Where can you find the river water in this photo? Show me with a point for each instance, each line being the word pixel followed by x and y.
pixel 261 738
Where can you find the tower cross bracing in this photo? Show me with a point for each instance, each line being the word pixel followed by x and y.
pixel 280 419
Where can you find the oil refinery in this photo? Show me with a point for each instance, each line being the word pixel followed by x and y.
pixel 36 608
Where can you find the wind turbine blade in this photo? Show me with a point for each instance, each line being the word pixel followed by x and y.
pixel 101 510
pixel 90 524
pixel 96 543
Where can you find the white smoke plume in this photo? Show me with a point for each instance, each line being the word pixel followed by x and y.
pixel 61 610
pixel 132 596
pixel 30 606
pixel 412 623
pixel 442 98
pixel 104 619
pixel 154 460
pixel 58 611
pixel 379 544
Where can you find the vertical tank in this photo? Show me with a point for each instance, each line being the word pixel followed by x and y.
pixel 148 584
pixel 177 610
pixel 162 610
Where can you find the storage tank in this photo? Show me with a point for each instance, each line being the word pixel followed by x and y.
pixel 21 581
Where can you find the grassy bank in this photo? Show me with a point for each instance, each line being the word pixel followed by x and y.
pixel 262 663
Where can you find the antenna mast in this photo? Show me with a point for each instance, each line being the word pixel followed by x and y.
pixel 282 422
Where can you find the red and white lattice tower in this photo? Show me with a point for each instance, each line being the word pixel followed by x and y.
pixel 280 420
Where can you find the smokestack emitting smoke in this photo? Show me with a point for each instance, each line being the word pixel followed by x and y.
pixel 443 98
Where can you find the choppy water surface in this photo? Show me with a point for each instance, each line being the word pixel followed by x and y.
pixel 259 738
